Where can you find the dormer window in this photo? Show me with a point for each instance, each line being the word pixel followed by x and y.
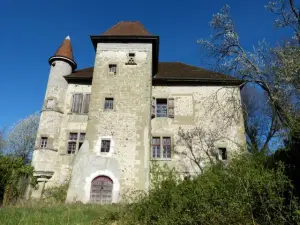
pixel 112 69
pixel 131 59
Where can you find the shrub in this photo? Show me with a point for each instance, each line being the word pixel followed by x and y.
pixel 57 194
pixel 244 192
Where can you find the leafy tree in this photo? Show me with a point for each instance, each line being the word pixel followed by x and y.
pixel 21 139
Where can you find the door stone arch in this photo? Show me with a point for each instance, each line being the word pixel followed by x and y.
pixel 101 190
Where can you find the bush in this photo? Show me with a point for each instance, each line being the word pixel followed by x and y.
pixel 56 194
pixel 244 192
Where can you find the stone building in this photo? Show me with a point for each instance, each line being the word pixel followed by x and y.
pixel 101 127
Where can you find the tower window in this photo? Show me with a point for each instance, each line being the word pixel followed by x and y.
pixel 44 142
pixel 109 103
pixel 112 69
pixel 131 59
pixel 105 145
pixel 50 104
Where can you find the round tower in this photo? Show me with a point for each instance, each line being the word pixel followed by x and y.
pixel 47 142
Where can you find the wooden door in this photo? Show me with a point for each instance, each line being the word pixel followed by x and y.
pixel 101 190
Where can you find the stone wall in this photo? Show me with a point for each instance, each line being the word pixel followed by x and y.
pixel 127 125
pixel 214 109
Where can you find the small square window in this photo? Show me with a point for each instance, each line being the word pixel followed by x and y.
pixel 112 68
pixel 44 142
pixel 109 103
pixel 105 145
pixel 222 153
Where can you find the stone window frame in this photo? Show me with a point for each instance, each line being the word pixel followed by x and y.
pixel 161 138
pixel 78 142
pixel 99 145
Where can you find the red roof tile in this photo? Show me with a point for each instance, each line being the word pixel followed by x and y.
pixel 65 49
pixel 129 28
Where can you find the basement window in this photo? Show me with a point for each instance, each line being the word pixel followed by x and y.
pixel 222 154
pixel 44 142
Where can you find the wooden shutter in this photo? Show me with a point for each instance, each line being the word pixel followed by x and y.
pixel 171 107
pixel 153 107
pixel 77 103
pixel 86 103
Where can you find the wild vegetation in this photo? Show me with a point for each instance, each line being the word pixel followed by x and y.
pixel 259 187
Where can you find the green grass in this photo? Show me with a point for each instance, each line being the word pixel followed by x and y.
pixel 64 214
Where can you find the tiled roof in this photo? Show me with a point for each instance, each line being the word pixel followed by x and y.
pixel 127 28
pixel 65 49
pixel 169 71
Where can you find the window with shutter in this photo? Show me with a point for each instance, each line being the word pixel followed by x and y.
pixel 153 107
pixel 77 103
pixel 86 103
pixel 171 107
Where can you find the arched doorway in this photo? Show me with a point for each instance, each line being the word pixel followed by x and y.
pixel 101 190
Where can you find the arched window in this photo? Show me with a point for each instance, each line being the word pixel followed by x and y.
pixel 101 190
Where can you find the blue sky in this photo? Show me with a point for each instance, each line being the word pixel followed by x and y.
pixel 31 31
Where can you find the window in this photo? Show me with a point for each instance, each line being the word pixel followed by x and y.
pixel 75 141
pixel 167 147
pixel 112 68
pixel 222 154
pixel 80 103
pixel 105 145
pixel 156 147
pixel 131 59
pixel 109 103
pixel 161 148
pixel 50 104
pixel 163 107
pixel 44 141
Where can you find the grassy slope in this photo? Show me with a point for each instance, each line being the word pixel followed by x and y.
pixel 59 214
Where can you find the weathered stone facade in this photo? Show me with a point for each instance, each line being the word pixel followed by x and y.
pixel 130 124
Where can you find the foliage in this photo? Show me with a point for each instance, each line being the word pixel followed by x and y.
pixel 21 139
pixel 56 194
pixel 14 178
pixel 244 192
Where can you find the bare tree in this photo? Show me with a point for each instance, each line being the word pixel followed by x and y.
pixel 261 123
pixel 21 138
pixel 274 70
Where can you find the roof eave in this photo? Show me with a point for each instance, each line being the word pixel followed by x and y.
pixel 195 81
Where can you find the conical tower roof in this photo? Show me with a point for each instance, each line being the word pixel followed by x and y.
pixel 65 53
